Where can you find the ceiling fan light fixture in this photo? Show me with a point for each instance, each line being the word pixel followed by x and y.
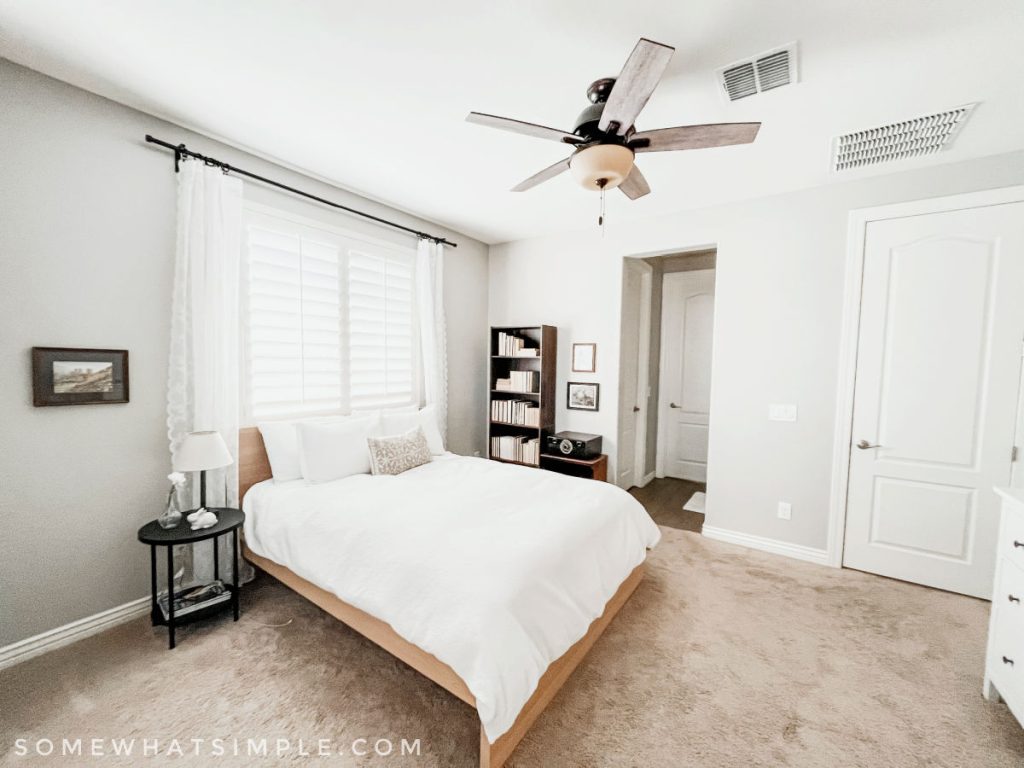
pixel 609 162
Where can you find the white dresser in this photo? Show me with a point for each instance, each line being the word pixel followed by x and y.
pixel 1004 663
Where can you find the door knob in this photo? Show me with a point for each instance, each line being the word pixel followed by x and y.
pixel 864 445
pixel 673 405
pixel 636 409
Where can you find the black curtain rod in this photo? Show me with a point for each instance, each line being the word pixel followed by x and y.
pixel 180 150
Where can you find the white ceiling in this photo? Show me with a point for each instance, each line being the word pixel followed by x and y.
pixel 373 95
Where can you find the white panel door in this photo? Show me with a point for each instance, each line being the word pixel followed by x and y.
pixel 935 399
pixel 687 322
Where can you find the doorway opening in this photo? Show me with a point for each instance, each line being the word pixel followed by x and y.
pixel 665 383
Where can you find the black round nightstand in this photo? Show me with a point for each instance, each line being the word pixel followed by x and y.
pixel 228 521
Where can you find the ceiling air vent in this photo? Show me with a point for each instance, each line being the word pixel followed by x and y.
pixel 918 136
pixel 764 72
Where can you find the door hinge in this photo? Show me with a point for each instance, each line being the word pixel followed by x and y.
pixel 1013 454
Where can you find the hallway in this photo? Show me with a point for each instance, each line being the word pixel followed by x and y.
pixel 663 498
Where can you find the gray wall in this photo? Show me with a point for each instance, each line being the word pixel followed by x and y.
pixel 663 265
pixel 778 309
pixel 86 251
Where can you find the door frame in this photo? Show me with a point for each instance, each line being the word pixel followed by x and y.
pixel 661 443
pixel 643 373
pixel 850 331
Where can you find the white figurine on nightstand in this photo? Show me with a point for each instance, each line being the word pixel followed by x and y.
pixel 202 518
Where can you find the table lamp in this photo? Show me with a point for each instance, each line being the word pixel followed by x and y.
pixel 200 451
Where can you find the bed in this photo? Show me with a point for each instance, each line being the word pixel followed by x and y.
pixel 492 580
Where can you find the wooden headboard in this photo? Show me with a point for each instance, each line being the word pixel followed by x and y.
pixel 253 464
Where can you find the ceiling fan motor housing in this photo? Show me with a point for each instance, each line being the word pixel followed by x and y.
pixel 586 123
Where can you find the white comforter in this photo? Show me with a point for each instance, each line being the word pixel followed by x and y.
pixel 495 569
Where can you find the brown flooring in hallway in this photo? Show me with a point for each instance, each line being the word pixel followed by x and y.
pixel 663 498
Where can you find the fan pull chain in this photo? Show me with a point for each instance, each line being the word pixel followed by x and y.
pixel 600 218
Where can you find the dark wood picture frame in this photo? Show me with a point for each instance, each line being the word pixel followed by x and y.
pixel 80 386
pixel 568 395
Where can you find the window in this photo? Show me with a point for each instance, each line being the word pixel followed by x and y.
pixel 329 321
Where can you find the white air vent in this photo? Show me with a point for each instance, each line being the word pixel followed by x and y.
pixel 918 136
pixel 764 72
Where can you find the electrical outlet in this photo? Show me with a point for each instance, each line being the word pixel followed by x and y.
pixel 782 412
pixel 785 510
pixel 477 454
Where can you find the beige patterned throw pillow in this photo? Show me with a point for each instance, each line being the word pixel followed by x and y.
pixel 394 455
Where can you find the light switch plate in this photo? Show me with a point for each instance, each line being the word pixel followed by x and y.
pixel 782 412
pixel 785 510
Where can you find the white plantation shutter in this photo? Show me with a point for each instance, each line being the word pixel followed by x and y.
pixel 381 329
pixel 328 323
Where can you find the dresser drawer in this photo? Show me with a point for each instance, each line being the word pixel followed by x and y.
pixel 1008 598
pixel 1006 666
pixel 1012 544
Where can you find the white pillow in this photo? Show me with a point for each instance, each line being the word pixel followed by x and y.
pixel 282 443
pixel 337 449
pixel 399 422
pixel 428 423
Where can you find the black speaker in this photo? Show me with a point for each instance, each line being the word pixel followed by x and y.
pixel 573 445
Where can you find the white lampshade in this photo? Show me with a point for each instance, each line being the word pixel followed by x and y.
pixel 611 162
pixel 202 450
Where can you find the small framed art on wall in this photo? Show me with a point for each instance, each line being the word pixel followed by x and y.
pixel 582 395
pixel 74 376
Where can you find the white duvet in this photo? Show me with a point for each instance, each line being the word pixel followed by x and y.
pixel 495 569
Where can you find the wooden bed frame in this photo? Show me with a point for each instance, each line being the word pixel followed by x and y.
pixel 253 467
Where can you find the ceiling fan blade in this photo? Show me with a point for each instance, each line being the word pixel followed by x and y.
pixel 518 126
pixel 548 173
pixel 635 185
pixel 694 137
pixel 635 84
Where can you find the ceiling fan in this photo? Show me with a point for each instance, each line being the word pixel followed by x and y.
pixel 604 137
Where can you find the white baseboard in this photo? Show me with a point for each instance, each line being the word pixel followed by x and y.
pixel 23 650
pixel 776 547
pixel 646 479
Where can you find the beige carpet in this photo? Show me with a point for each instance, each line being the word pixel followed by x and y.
pixel 724 657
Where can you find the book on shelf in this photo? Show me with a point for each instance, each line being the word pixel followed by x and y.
pixel 517 381
pixel 520 412
pixel 191 599
pixel 516 448
pixel 510 345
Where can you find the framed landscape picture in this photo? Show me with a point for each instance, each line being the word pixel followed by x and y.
pixel 582 396
pixel 71 376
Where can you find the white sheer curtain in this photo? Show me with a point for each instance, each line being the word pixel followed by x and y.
pixel 430 306
pixel 202 385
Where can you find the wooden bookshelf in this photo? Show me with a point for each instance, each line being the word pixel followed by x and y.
pixel 543 338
